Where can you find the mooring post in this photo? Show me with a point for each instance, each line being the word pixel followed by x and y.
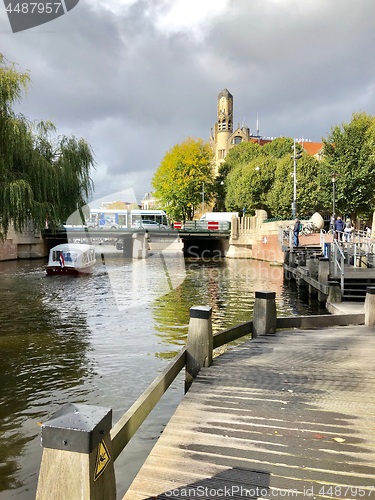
pixel 77 458
pixel 370 306
pixel 199 342
pixel 323 276
pixel 264 314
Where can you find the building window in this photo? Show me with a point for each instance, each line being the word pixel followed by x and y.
pixel 237 140
pixel 224 125
pixel 221 154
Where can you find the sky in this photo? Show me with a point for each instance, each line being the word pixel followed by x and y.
pixel 135 77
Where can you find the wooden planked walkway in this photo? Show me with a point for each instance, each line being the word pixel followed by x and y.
pixel 284 416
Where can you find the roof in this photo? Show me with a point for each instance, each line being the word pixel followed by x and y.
pixel 312 148
pixel 69 247
pixel 225 93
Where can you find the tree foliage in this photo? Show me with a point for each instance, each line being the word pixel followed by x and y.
pixel 248 185
pixel 349 150
pixel 309 191
pixel 178 179
pixel 41 176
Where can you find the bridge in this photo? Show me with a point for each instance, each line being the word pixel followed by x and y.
pixel 199 239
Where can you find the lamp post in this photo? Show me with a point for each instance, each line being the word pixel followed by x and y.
pixel 202 193
pixel 334 175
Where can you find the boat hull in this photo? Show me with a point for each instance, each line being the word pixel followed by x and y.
pixel 73 271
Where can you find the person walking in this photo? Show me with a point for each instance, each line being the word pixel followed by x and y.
pixel 296 227
pixel 339 228
pixel 348 230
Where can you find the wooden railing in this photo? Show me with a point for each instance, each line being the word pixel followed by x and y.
pixel 84 469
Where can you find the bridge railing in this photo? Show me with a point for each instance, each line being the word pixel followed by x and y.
pixel 198 225
pixel 79 444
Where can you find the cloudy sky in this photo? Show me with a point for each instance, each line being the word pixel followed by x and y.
pixel 134 77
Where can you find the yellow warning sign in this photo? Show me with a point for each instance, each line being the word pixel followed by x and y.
pixel 102 460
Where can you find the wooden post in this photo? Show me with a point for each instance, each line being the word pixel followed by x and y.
pixel 199 342
pixel 77 460
pixel 370 306
pixel 264 314
pixel 323 276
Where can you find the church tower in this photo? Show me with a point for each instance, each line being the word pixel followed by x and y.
pixel 223 128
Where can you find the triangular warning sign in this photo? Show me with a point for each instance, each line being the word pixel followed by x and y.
pixel 102 460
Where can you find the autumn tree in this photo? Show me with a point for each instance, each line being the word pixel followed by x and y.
pixel 178 179
pixel 349 150
pixel 42 176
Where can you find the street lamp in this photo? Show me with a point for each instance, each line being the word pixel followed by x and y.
pixel 334 176
pixel 202 193
pixel 295 157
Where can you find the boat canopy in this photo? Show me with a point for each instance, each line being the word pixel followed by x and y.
pixel 74 255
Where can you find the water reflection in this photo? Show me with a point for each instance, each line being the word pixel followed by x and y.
pixel 95 340
pixel 228 286
pixel 43 346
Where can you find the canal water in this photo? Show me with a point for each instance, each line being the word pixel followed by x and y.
pixel 101 339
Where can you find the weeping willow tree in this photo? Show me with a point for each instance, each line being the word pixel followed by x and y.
pixel 42 175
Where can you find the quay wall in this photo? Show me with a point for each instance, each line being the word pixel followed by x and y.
pixel 252 238
pixel 26 245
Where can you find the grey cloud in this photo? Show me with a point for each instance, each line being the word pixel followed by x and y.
pixel 134 91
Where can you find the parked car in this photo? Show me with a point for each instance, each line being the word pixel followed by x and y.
pixel 148 224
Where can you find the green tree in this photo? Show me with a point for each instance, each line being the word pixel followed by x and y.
pixel 41 176
pixel 349 150
pixel 310 194
pixel 247 185
pixel 241 154
pixel 178 179
pixel 278 148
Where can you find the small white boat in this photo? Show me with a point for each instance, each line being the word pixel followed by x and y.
pixel 71 258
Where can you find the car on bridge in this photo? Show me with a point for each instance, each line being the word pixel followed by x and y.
pixel 103 224
pixel 148 224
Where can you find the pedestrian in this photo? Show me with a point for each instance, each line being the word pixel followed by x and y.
pixel 332 223
pixel 348 230
pixel 339 228
pixel 296 228
pixel 368 231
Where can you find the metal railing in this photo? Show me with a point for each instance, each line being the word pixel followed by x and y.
pixel 198 225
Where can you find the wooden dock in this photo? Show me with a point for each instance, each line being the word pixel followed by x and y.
pixel 287 415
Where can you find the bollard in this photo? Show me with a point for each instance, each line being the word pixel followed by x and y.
pixel 323 276
pixel 199 342
pixel 370 306
pixel 264 314
pixel 77 458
